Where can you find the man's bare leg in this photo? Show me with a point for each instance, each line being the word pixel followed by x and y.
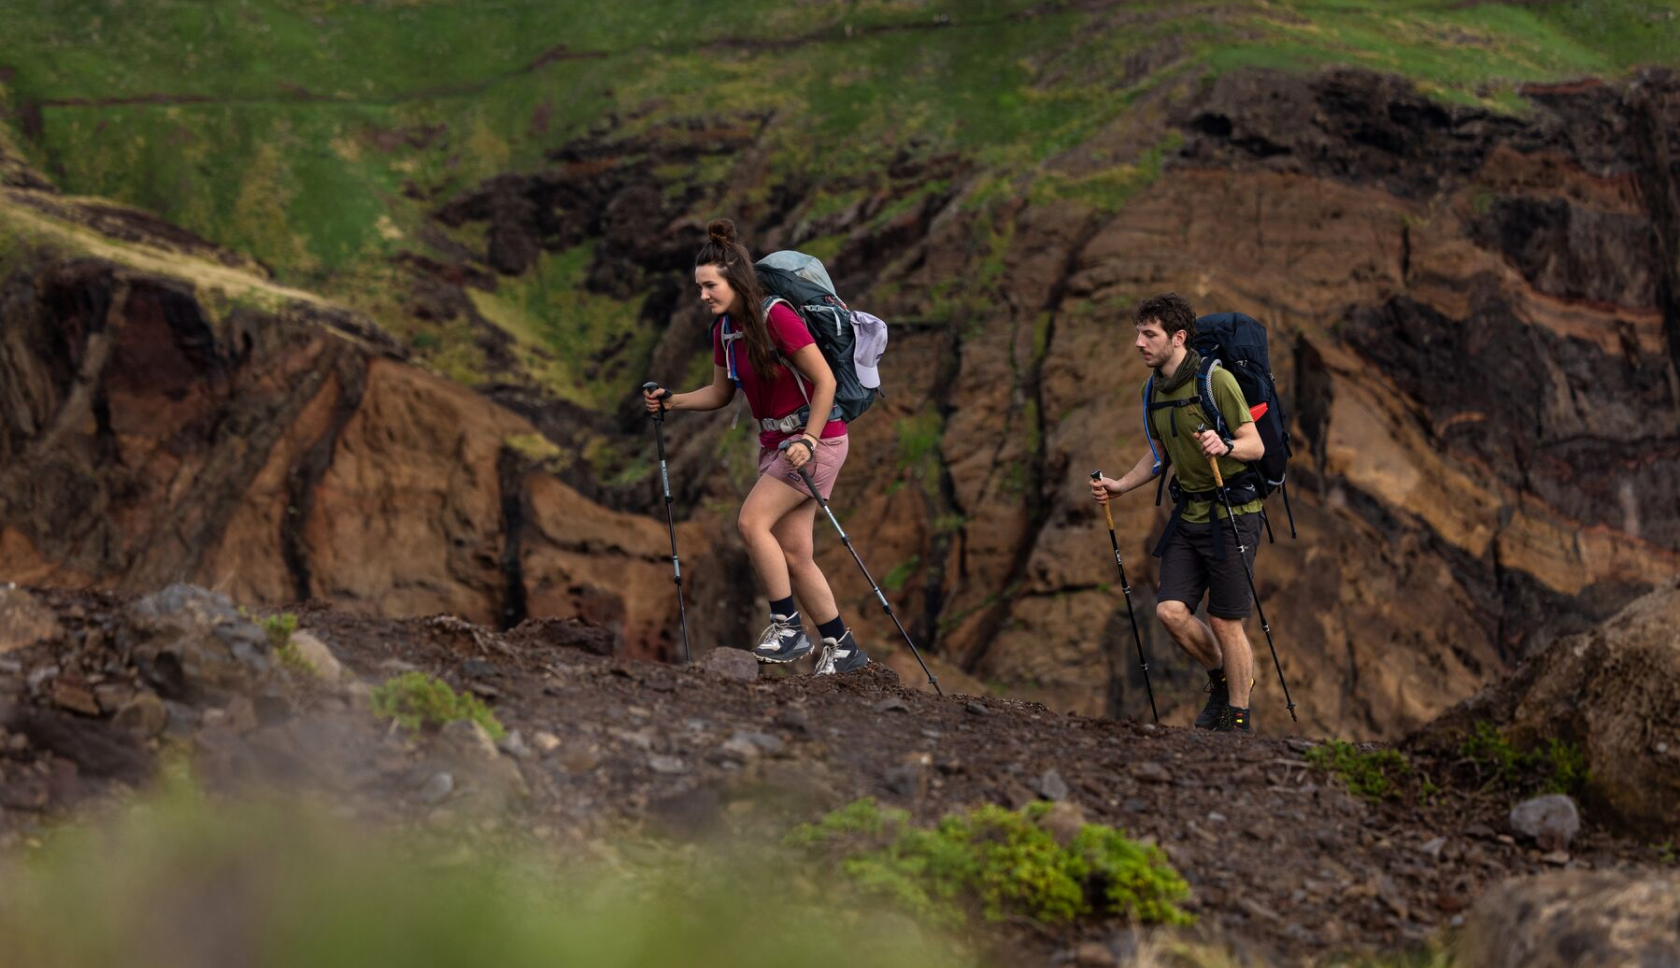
pixel 1192 635
pixel 1239 657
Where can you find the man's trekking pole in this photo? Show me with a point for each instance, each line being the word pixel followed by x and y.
pixel 811 486
pixel 670 523
pixel 1242 555
pixel 1126 587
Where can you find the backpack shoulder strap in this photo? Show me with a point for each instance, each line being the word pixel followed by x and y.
pixel 730 337
pixel 1148 434
pixel 1204 393
pixel 798 378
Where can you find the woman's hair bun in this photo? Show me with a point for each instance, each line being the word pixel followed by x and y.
pixel 721 230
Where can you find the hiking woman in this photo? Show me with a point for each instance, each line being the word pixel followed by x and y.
pixel 769 352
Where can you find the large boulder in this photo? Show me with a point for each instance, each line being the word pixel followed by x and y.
pixel 1575 919
pixel 195 645
pixel 1610 691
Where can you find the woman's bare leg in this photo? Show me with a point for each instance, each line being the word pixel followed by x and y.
pixel 769 502
pixel 794 533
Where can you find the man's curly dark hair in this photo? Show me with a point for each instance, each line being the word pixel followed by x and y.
pixel 1171 310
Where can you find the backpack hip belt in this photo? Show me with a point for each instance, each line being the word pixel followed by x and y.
pixel 793 421
pixel 1240 488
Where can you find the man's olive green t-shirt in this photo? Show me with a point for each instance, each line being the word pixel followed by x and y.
pixel 1175 428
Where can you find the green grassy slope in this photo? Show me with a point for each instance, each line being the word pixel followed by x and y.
pixel 317 134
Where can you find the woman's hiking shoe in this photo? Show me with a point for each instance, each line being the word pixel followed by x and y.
pixel 784 641
pixel 1235 720
pixel 1219 697
pixel 841 655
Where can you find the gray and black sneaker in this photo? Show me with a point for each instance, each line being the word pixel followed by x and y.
pixel 783 641
pixel 1219 696
pixel 841 655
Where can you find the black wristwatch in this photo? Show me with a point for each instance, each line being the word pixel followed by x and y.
pixel 1230 445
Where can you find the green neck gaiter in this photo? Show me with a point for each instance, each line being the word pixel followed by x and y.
pixel 1181 376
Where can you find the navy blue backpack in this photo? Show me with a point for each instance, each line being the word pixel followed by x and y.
pixel 1237 342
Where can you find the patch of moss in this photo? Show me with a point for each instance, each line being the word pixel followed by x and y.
pixel 1107 190
pixel 534 447
pixel 917 440
pixel 417 701
pixel 1371 774
pixel 895 579
pixel 997 864
pixel 584 346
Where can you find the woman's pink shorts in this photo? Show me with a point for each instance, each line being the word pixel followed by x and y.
pixel 824 465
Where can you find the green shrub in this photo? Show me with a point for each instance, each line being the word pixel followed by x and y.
pixel 998 863
pixel 279 629
pixel 1555 767
pixel 286 883
pixel 418 701
pixel 1369 774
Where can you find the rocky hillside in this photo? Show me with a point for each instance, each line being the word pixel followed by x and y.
pixel 1470 272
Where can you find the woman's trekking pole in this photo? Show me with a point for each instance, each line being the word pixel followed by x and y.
pixel 812 487
pixel 1242 555
pixel 670 523
pixel 1126 587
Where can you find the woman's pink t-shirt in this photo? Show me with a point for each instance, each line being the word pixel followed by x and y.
pixel 781 397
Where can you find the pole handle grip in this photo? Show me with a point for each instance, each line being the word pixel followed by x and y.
pixel 1107 513
pixel 662 396
pixel 1213 462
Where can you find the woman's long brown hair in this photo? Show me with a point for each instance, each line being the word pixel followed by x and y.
pixel 731 259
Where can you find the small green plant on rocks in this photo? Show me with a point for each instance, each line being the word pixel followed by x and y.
pixel 418 701
pixel 1556 767
pixel 1371 774
pixel 998 863
pixel 279 629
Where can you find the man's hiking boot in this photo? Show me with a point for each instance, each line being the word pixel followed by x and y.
pixel 784 641
pixel 1235 720
pixel 841 655
pixel 1219 697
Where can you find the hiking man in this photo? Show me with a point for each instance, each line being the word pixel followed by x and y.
pixel 1197 551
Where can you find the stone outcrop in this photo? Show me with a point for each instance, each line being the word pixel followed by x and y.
pixel 1611 692
pixel 1575 919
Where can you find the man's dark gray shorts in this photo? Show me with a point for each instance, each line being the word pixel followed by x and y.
pixel 1188 567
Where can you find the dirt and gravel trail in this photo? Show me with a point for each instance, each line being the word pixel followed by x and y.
pixel 1276 853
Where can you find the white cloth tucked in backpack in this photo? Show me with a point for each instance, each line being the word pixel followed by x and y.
pixel 871 332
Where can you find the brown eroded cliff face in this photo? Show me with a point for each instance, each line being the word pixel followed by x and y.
pixel 1475 323
pixel 169 414
pixel 1477 329
pixel 1475 326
